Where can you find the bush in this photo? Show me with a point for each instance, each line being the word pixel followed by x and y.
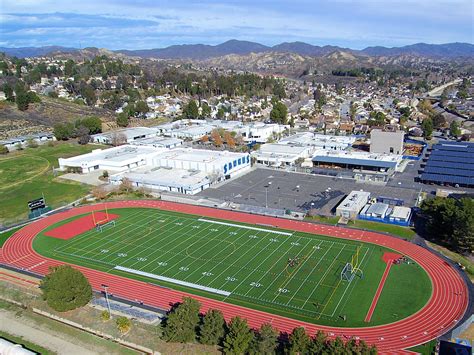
pixel 105 316
pixel 123 324
pixel 65 288
pixel 32 143
pixel 3 149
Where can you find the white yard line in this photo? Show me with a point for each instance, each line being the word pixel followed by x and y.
pixel 262 238
pixel 168 236
pixel 303 283
pixel 348 284
pixel 175 281
pixel 242 235
pixel 322 278
pixel 269 255
pixel 283 270
pixel 245 227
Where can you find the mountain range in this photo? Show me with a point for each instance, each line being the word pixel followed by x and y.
pixel 204 51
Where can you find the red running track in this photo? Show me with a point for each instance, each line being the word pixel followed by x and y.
pixel 447 304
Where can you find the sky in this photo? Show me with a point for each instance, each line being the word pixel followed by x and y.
pixel 143 24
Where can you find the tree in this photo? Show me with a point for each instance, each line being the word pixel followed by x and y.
pixel 439 120
pixel 229 139
pixel 450 221
pixel 266 340
pixel 65 288
pixel 212 329
pixel 376 119
pixel 122 119
pixel 88 93
pixel 216 138
pixel 454 129
pixel 62 131
pixel 8 90
pixel 279 91
pixel 220 113
pixel 182 322
pixel 427 127
pixel 126 185
pixel 279 113
pixel 22 100
pixel 205 110
pixel 92 123
pixel 118 139
pixel 317 344
pixel 123 324
pixel 32 97
pixel 141 108
pixel 238 336
pixel 191 110
pixel 99 192
pixel 298 341
pixel 82 134
pixel 3 150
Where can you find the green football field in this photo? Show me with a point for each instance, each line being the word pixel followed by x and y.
pixel 280 271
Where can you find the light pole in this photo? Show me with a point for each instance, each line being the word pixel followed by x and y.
pixel 107 299
pixel 266 194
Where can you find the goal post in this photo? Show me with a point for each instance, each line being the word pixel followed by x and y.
pixel 101 221
pixel 351 268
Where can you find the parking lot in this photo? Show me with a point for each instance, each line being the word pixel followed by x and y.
pixel 301 192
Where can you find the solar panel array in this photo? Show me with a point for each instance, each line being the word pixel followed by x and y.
pixel 450 163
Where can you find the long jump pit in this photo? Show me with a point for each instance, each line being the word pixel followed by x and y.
pixel 80 225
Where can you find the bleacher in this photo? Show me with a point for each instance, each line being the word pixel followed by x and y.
pixel 450 163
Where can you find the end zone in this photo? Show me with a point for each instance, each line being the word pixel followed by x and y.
pixel 78 226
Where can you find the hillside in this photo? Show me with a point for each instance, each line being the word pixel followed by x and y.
pixel 205 51
pixel 42 116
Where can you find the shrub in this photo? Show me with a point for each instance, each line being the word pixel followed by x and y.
pixel 105 316
pixel 123 324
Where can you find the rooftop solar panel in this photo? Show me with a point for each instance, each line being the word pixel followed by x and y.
pixel 464 160
pixel 447 179
pixel 449 153
pixel 450 165
pixel 448 171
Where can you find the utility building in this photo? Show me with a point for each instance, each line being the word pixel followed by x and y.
pixel 352 204
pixel 384 142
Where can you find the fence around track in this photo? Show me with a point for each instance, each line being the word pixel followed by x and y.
pixel 447 305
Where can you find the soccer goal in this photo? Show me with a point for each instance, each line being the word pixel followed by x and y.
pixel 351 269
pixel 101 227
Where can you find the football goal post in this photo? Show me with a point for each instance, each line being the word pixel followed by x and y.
pixel 101 221
pixel 351 268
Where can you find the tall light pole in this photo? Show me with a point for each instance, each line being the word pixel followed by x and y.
pixel 266 193
pixel 107 299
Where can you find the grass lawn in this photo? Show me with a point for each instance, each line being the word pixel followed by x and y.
pixel 247 265
pixel 5 235
pixel 466 262
pixel 26 174
pixel 399 231
pixel 428 348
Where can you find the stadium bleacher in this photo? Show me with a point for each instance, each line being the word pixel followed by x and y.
pixel 450 163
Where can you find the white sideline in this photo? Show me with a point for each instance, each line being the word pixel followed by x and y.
pixel 245 227
pixel 168 279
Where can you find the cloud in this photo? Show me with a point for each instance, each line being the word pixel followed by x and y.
pixel 150 24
